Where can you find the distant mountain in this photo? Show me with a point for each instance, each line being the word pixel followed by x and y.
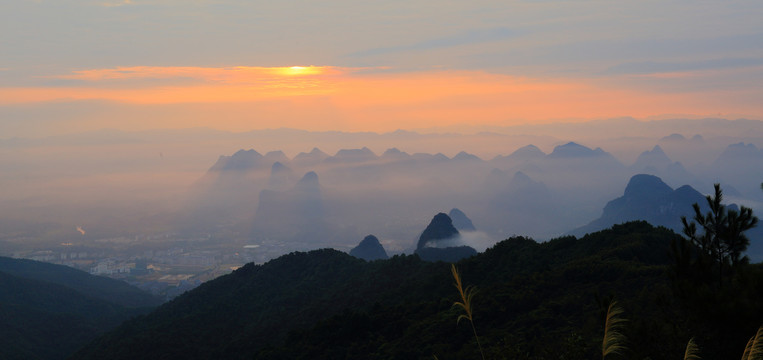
pixel 520 156
pixel 439 157
pixel 242 160
pixel 48 311
pixel 673 137
pixel 528 152
pixel 281 176
pixel 352 156
pixel 575 158
pixel 648 198
pixel 655 158
pixel 227 193
pixel 287 214
pixel 439 229
pixel 739 152
pixel 657 163
pixel 395 154
pixel 575 150
pixel 465 156
pixel 520 181
pixel 516 204
pixel 440 241
pixel 369 249
pixel 276 156
pixel 312 158
pixel 308 184
pixel 460 221
pixel 740 166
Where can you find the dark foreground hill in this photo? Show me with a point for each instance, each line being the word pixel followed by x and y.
pixel 535 301
pixel 110 290
pixel 48 311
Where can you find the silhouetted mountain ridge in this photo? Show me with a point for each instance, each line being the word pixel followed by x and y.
pixel 369 249
pixel 440 228
pixel 647 197
pixel 460 221
pixel 440 241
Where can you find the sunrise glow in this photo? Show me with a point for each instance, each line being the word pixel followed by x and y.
pixel 376 100
pixel 300 70
pixel 405 69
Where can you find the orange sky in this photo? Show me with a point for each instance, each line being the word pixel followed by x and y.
pixel 359 99
pixel 80 65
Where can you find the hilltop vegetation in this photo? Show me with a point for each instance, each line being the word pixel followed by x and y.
pixel 100 287
pixel 534 301
pixel 48 311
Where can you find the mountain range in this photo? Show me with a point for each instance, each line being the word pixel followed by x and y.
pixel 526 192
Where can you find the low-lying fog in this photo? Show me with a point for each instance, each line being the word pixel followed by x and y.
pixel 112 183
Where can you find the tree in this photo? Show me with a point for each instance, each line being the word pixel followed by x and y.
pixel 723 238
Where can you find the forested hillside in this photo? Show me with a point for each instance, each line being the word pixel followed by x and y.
pixel 48 311
pixel 100 287
pixel 534 301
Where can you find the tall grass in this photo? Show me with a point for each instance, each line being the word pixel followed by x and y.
pixel 754 348
pixel 465 304
pixel 614 340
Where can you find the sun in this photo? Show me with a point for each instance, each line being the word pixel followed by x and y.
pixel 299 70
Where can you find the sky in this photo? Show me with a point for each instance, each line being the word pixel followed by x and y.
pixel 70 66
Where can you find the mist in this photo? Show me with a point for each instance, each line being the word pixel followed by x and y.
pixel 537 181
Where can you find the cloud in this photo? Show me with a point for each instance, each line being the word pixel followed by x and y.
pixel 230 75
pixel 469 37
pixel 654 67
pixel 243 98
pixel 117 4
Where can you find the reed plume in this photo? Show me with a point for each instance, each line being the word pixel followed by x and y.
pixel 692 351
pixel 465 303
pixel 614 340
pixel 754 348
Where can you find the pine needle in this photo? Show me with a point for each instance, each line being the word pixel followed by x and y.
pixel 614 340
